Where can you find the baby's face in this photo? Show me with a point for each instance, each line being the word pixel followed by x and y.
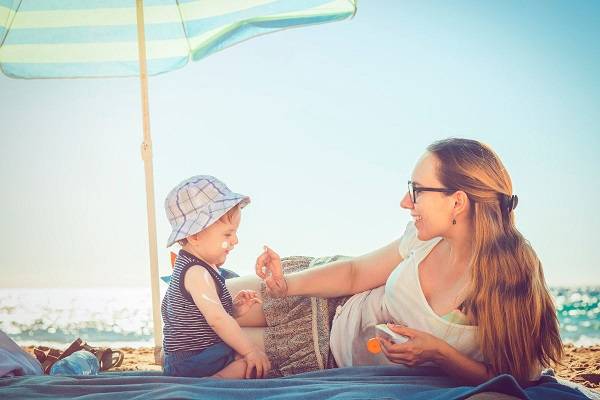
pixel 216 241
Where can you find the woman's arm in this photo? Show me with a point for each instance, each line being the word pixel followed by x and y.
pixel 339 278
pixel 424 347
pixel 460 366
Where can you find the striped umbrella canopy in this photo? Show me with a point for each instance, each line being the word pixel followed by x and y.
pixel 119 38
pixel 98 38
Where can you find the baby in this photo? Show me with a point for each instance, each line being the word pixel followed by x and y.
pixel 201 334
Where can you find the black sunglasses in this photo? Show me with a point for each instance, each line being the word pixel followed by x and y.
pixel 412 190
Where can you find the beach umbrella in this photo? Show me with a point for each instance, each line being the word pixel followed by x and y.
pixel 120 38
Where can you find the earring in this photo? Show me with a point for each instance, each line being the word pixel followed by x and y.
pixel 453 221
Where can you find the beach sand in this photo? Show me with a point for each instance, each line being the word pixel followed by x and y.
pixel 581 364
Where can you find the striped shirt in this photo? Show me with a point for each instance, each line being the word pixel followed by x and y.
pixel 185 328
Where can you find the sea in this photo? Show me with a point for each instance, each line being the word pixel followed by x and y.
pixel 122 317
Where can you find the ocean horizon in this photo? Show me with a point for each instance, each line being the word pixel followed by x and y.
pixel 122 317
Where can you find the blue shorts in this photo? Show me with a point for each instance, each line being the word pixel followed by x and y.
pixel 197 364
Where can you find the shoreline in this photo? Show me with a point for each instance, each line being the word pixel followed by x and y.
pixel 580 364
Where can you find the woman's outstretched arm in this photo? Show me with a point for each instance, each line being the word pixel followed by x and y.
pixel 338 278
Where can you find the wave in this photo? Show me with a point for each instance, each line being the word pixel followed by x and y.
pixel 122 317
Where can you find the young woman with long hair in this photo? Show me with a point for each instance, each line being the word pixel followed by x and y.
pixel 462 284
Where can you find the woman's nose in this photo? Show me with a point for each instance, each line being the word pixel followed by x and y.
pixel 407 202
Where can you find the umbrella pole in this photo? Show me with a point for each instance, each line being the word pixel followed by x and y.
pixel 147 157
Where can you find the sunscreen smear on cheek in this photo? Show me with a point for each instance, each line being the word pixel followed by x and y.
pixel 225 245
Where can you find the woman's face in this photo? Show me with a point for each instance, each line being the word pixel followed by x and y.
pixel 432 211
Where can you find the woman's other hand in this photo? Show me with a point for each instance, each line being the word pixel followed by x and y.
pixel 421 347
pixel 243 301
pixel 268 268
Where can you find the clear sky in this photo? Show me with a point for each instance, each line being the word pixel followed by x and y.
pixel 321 126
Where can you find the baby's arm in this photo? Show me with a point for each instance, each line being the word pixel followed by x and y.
pixel 200 284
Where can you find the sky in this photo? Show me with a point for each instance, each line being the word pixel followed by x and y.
pixel 321 126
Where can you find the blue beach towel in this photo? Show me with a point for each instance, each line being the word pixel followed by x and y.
pixel 345 383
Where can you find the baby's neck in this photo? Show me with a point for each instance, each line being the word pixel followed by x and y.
pixel 197 254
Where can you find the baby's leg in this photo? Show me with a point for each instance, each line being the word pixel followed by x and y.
pixel 235 370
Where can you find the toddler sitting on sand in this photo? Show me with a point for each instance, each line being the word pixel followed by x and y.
pixel 201 334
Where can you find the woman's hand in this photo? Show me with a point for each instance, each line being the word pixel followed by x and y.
pixel 420 348
pixel 243 301
pixel 257 360
pixel 268 268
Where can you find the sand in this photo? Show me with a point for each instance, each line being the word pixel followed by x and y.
pixel 581 364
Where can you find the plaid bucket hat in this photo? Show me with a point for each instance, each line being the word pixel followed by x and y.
pixel 197 203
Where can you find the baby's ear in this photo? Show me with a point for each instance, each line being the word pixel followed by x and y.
pixel 193 238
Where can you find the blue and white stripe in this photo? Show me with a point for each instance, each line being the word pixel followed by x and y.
pixel 95 38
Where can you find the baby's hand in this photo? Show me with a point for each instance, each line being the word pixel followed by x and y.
pixel 243 301
pixel 257 364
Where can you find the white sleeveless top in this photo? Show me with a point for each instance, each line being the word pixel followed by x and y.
pixel 401 300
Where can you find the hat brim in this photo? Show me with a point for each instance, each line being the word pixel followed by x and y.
pixel 211 214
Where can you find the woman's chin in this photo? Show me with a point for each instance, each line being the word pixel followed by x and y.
pixel 423 235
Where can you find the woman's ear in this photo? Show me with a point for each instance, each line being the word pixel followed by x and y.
pixel 461 202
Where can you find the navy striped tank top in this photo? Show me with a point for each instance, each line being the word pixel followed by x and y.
pixel 185 328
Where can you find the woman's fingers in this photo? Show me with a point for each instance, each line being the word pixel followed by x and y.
pixel 264 262
pixel 403 330
pixel 402 353
pixel 273 260
pixel 260 264
pixel 268 268
pixel 387 353
pixel 271 252
pixel 270 283
pixel 393 348
pixel 398 357
pixel 276 285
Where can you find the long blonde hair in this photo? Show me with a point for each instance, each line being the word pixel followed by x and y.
pixel 507 298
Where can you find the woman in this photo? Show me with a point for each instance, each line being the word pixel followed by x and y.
pixel 462 284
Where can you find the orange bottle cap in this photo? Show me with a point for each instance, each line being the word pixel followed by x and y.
pixel 373 346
